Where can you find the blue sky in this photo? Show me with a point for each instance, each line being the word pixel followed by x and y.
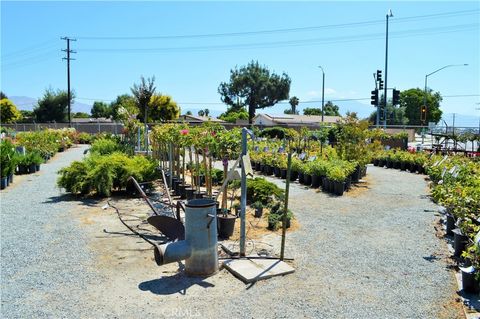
pixel 346 38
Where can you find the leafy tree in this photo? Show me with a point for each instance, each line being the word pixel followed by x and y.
pixel 188 113
pixel 53 106
pixel 233 115
pixel 395 115
pixel 81 115
pixel 101 109
pixel 27 116
pixel 142 93
pixel 123 101
pixel 162 108
pixel 201 113
pixel 253 85
pixel 3 95
pixel 412 100
pixel 312 111
pixel 9 112
pixel 331 109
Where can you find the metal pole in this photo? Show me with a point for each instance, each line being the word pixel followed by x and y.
pixel 243 199
pixel 285 211
pixel 389 14
pixel 323 93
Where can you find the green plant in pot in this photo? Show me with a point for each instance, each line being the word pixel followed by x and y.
pixel 275 215
pixel 338 176
pixel 258 206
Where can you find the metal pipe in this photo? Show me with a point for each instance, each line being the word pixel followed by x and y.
pixel 199 249
pixel 243 199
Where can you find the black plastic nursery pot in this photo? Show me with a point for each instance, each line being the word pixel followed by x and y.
pixel 356 175
pixel 389 164
pixel 199 194
pixel 469 283
pixel 348 183
pixel 363 171
pixel 449 223
pixel 257 166
pixel 182 190
pixel 268 170
pixel 283 174
pixel 226 225
pixel 375 162
pixel 3 182
pixel 32 168
pixel 37 167
pixel 301 178
pixel 307 179
pixel 316 181
pixel 381 163
pixel 403 166
pixel 277 171
pixel 10 178
pixel 189 193
pixel 293 176
pixel 396 165
pixel 459 242
pixel 258 212
pixel 338 188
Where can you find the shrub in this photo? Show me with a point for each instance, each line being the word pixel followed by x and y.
pixel 105 146
pixel 101 173
pixel 261 190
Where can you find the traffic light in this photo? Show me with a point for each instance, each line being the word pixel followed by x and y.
pixel 423 114
pixel 396 97
pixel 380 84
pixel 374 97
pixel 379 75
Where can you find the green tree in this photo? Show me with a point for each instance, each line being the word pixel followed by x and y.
pixel 9 112
pixel 53 106
pixel 312 111
pixel 162 108
pixel 188 113
pixel 3 95
pixel 101 109
pixel 123 101
pixel 81 115
pixel 233 114
pixel 27 116
pixel 413 99
pixel 255 87
pixel 142 93
pixel 331 109
pixel 293 105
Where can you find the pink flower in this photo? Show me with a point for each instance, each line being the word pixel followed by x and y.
pixel 184 132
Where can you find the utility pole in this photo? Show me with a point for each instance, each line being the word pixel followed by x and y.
pixel 389 15
pixel 68 58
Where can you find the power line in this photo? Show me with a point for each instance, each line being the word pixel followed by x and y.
pixel 311 41
pixel 272 31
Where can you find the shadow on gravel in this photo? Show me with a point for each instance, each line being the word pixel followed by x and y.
pixel 472 301
pixel 178 283
pixel 91 202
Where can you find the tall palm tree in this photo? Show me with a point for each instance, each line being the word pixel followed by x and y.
pixel 293 103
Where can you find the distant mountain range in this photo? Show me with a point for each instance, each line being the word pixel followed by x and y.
pixel 27 103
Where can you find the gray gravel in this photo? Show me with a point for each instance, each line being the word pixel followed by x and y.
pixel 43 252
pixel 373 254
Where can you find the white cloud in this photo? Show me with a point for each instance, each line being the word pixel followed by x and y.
pixel 314 93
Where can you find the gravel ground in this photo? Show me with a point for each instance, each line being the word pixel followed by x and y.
pixel 43 252
pixel 372 253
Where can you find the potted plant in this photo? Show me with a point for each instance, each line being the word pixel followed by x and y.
pixel 258 206
pixel 236 208
pixel 337 175
pixel 226 224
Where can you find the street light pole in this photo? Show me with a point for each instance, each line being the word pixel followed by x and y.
pixel 323 90
pixel 426 77
pixel 389 14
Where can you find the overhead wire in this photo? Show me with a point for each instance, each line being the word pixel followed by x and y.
pixel 282 30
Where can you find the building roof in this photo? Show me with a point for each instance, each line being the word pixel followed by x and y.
pixel 91 120
pixel 299 119
pixel 198 119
